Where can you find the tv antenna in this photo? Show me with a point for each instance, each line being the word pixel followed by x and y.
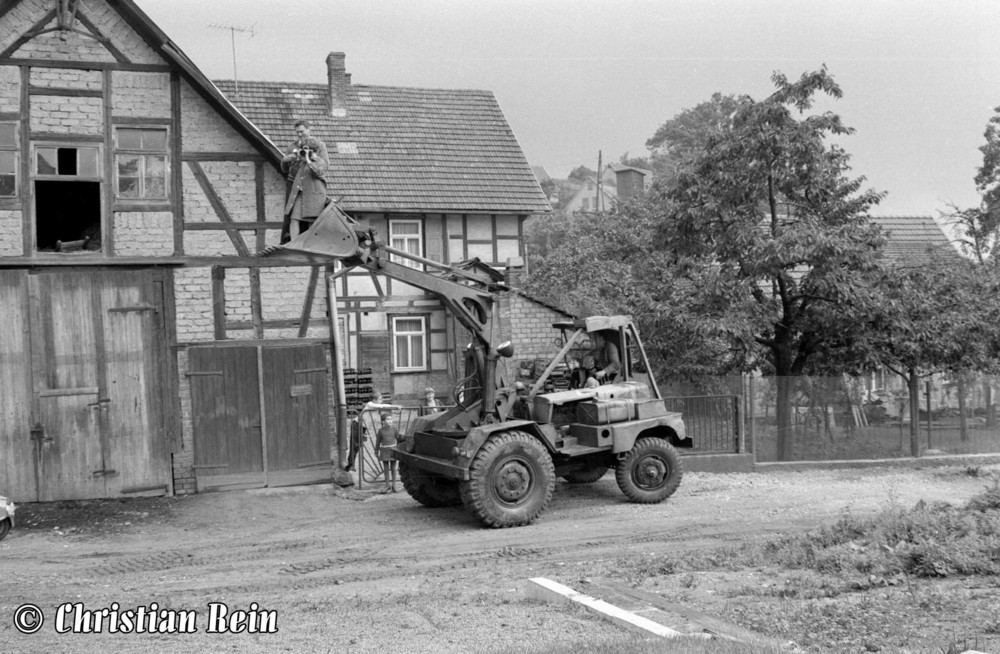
pixel 233 29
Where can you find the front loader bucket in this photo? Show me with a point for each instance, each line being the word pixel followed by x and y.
pixel 332 234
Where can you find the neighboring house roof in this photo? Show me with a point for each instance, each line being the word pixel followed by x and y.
pixel 617 167
pixel 541 174
pixel 398 149
pixel 916 240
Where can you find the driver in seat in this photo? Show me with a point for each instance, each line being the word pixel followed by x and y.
pixel 604 361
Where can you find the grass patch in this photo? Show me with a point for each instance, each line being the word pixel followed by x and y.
pixel 928 540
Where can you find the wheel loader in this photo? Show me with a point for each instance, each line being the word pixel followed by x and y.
pixel 498 451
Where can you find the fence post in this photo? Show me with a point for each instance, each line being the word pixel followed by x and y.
pixel 738 405
pixel 753 416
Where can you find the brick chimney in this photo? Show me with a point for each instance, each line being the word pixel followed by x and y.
pixel 338 81
pixel 630 183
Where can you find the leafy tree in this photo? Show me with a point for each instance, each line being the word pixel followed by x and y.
pixel 933 319
pixel 768 219
pixel 685 136
pixel 635 162
pixel 581 174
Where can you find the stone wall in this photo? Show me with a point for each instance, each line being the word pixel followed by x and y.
pixel 140 95
pixel 11 234
pixel 148 234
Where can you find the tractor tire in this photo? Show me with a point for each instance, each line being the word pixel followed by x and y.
pixel 4 527
pixel 429 489
pixel 650 472
pixel 511 480
pixel 586 476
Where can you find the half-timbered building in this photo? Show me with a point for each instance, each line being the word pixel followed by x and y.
pixel 144 349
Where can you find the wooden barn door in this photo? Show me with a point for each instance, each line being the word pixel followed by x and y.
pixel 98 349
pixel 260 415
pixel 225 403
pixel 17 445
pixel 296 415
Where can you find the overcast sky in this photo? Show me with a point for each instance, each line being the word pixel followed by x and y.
pixel 575 77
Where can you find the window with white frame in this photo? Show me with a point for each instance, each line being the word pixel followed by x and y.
pixel 409 343
pixel 8 160
pixel 406 236
pixel 141 163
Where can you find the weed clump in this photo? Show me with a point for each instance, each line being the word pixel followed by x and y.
pixel 929 540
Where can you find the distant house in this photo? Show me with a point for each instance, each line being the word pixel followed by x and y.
pixel 590 198
pixel 617 182
pixel 916 240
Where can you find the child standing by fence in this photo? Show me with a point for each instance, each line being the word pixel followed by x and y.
pixel 386 439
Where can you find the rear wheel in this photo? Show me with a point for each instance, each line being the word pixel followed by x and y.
pixel 511 480
pixel 650 472
pixel 587 475
pixel 429 489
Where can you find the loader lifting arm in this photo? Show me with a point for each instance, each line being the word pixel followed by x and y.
pixel 335 236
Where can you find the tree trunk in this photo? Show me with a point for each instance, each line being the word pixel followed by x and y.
pixel 913 384
pixel 783 412
pixel 991 414
pixel 963 420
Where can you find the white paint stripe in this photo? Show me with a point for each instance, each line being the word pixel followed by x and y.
pixel 545 588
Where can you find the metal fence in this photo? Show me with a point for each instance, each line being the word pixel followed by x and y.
pixel 712 422
pixel 869 417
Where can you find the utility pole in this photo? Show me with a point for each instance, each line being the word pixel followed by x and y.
pixel 233 29
pixel 599 200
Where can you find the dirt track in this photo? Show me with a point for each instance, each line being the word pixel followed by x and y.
pixel 359 572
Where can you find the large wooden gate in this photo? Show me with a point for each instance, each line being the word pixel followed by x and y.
pixel 260 415
pixel 83 356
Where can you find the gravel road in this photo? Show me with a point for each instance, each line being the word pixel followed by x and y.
pixel 355 571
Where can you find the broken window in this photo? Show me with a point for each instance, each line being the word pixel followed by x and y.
pixel 67 198
pixel 141 163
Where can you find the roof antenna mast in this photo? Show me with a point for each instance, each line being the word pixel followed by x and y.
pixel 233 29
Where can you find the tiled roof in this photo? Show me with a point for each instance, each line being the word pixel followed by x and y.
pixel 916 240
pixel 403 149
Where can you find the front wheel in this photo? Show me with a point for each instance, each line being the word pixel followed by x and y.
pixel 4 527
pixel 429 489
pixel 511 480
pixel 650 472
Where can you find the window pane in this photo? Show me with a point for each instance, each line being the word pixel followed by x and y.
pixel 400 228
pixel 409 325
pixel 128 187
pixel 46 161
pixel 156 166
pixel 88 162
pixel 67 161
pixel 402 352
pixel 8 134
pixel 128 165
pixel 417 356
pixel 8 161
pixel 129 139
pixel 154 139
pixel 155 188
pixel 7 185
